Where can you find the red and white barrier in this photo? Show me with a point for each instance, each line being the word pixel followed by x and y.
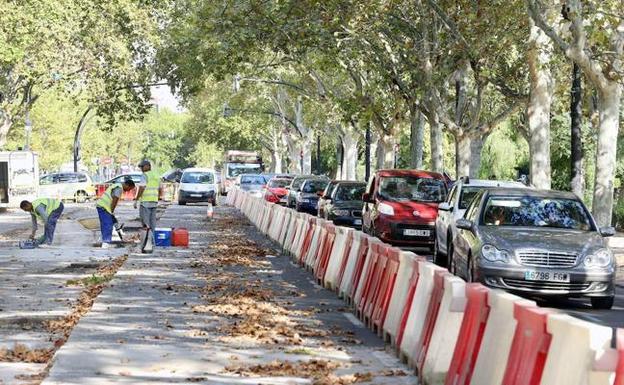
pixel 491 360
pixel 455 334
pixel 400 293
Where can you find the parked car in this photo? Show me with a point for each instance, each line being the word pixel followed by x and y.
pixel 307 198
pixel 276 190
pixel 324 198
pixel 252 183
pixel 344 206
pixel 172 176
pixel 127 195
pixel 295 187
pixel 454 208
pixel 401 206
pixel 197 185
pixel 540 242
pixel 76 186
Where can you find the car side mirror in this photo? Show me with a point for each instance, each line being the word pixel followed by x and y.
pixel 464 224
pixel 607 231
pixel 444 206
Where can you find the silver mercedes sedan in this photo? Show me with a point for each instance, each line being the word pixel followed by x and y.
pixel 538 242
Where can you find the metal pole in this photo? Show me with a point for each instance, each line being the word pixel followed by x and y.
pixel 81 124
pixel 367 153
pixel 318 154
pixel 27 121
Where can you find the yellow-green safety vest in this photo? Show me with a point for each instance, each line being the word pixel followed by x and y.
pixel 50 204
pixel 106 200
pixel 150 194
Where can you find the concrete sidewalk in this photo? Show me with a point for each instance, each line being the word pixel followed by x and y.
pixel 228 310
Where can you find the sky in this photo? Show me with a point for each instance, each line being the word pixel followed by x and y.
pixel 163 98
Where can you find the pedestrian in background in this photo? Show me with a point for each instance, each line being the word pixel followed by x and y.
pixel 48 210
pixel 148 196
pixel 106 206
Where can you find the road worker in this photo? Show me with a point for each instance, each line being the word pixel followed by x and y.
pixel 106 208
pixel 47 210
pixel 148 197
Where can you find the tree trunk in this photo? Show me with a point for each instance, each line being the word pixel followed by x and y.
pixel 476 147
pixel 417 137
pixel 5 125
pixel 606 149
pixel 577 177
pixel 339 159
pixel 350 153
pixel 294 155
pixel 385 151
pixel 437 145
pixel 462 155
pixel 276 156
pixel 306 151
pixel 538 108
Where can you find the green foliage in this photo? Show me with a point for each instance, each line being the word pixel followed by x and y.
pixel 503 152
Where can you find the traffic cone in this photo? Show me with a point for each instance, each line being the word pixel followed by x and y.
pixel 210 211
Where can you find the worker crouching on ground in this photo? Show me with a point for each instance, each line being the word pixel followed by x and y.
pixel 48 210
pixel 106 207
pixel 148 196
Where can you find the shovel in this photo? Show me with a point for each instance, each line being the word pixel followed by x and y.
pixel 118 227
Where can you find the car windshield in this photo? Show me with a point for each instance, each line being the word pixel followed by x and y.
pixel 197 177
pixel 350 192
pixel 252 179
pixel 236 169
pixel 412 188
pixel 297 182
pixel 536 212
pixel 279 183
pixel 313 186
pixel 467 195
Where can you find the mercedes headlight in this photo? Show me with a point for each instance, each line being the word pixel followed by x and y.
pixel 601 258
pixel 492 254
pixel 386 209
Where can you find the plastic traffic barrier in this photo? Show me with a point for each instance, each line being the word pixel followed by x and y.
pixel 619 371
pixel 491 361
pixel 437 293
pixel 417 311
pixel 307 239
pixel 529 347
pixel 409 298
pixel 470 335
pixel 580 353
pixel 436 358
pixel 381 301
pixel 367 274
pixel 309 259
pixel 353 268
pixel 345 259
pixel 400 294
pixel 325 252
pixel 336 257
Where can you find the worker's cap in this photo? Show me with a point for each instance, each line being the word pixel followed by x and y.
pixel 144 163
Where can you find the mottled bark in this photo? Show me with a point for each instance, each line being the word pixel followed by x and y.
pixel 349 140
pixel 385 151
pixel 5 125
pixel 417 138
pixel 437 144
pixel 577 177
pixel 476 148
pixel 463 155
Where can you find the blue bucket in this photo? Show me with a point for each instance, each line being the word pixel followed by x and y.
pixel 162 236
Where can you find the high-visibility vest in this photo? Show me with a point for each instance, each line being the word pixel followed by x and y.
pixel 106 200
pixel 150 194
pixel 50 204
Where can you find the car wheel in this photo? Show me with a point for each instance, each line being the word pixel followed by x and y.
pixel 181 203
pixel 80 197
pixel 604 303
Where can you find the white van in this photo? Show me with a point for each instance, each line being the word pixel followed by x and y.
pixel 19 177
pixel 198 185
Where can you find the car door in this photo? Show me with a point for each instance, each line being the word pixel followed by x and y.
pixel 46 186
pixel 465 238
pixel 67 185
pixel 444 220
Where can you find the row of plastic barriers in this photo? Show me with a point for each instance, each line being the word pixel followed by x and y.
pixel 451 332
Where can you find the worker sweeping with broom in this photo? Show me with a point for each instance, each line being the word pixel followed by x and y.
pixel 106 208
pixel 47 210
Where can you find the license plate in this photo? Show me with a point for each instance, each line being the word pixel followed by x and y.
pixel 357 222
pixel 546 276
pixel 284 200
pixel 416 233
pixel 196 195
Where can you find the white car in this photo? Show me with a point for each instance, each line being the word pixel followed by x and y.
pixel 198 185
pixel 76 186
pixel 454 208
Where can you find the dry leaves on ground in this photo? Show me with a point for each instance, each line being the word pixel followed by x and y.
pixel 22 353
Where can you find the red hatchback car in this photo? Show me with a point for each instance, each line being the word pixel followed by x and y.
pixel 401 206
pixel 276 190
